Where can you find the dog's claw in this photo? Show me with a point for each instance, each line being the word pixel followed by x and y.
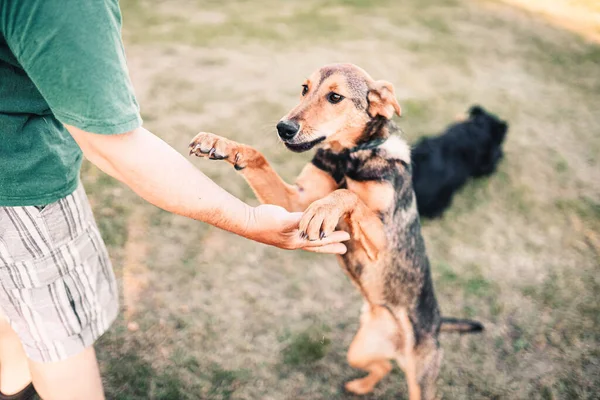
pixel 211 152
pixel 194 149
pixel 322 235
pixel 236 161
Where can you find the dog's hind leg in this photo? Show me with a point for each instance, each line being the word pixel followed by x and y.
pixel 408 363
pixel 406 356
pixel 372 348
pixel 377 370
pixel 428 373
pixel 422 367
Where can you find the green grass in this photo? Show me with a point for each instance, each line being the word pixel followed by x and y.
pixel 224 383
pixel 130 377
pixel 305 348
pixel 416 109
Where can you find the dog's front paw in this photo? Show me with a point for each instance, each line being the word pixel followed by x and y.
pixel 321 218
pixel 216 147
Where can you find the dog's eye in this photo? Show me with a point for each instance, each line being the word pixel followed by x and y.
pixel 304 90
pixel 334 98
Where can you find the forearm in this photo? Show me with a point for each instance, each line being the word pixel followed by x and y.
pixel 165 178
pixel 269 188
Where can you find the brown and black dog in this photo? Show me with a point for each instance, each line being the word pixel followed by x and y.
pixel 359 179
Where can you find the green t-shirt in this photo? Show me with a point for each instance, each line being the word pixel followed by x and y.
pixel 61 61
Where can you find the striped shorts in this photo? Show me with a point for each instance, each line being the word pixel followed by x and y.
pixel 57 286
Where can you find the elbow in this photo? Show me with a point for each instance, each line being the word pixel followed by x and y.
pixel 101 149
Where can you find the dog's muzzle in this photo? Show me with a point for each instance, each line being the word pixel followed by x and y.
pixel 302 147
pixel 287 129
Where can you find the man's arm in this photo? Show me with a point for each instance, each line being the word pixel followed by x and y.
pixel 163 177
pixel 74 55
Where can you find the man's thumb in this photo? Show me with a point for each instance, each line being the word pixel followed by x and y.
pixel 293 220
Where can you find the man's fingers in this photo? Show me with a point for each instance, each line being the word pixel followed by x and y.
pixel 334 248
pixel 335 238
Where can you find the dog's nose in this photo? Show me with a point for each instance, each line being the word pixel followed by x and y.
pixel 287 129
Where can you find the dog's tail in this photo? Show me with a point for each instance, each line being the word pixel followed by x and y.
pixel 460 325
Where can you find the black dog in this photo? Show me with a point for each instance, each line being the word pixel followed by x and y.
pixel 443 164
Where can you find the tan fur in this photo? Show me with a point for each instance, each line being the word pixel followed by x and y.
pixel 319 118
pixel 340 123
pixel 375 343
pixel 382 98
pixel 364 224
pixel 407 355
pixel 377 196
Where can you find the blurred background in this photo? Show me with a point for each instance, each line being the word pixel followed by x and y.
pixel 207 315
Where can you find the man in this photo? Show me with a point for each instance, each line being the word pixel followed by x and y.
pixel 64 90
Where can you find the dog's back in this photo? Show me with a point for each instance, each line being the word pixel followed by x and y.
pixel 443 164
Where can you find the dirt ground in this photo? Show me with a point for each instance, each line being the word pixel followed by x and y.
pixel 207 315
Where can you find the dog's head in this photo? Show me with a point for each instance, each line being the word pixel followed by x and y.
pixel 490 123
pixel 336 104
pixel 489 132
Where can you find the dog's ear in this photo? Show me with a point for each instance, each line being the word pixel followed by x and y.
pixel 382 100
pixel 476 109
pixel 499 131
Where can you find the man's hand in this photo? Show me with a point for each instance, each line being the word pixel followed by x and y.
pixel 276 226
pixel 163 177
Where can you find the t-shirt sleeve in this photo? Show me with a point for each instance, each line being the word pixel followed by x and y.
pixel 73 52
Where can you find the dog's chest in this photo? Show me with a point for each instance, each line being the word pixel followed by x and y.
pixel 378 196
pixel 376 179
pixel 335 164
pixel 359 166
